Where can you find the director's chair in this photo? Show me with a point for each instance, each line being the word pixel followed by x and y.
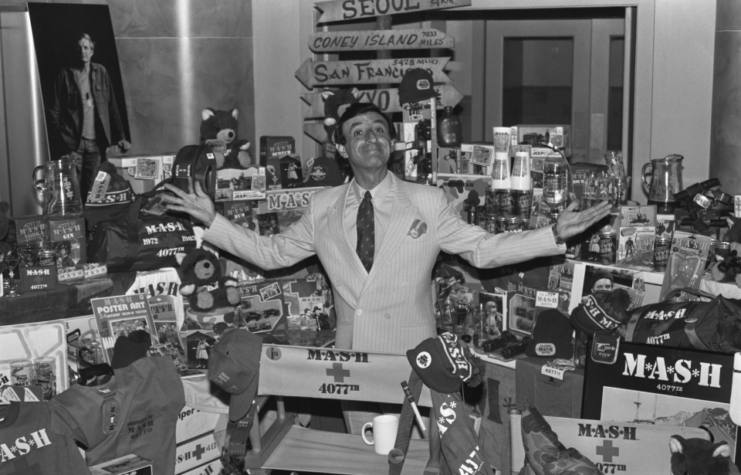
pixel 290 371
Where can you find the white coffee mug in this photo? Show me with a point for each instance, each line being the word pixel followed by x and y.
pixel 384 433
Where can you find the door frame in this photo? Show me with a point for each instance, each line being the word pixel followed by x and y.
pixel 580 31
pixel 639 100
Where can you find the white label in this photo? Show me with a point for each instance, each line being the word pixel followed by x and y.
pixel 546 299
pixel 552 371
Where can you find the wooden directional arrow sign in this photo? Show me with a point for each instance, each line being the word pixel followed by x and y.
pixel 378 71
pixel 343 10
pixel 386 99
pixel 373 40
pixel 316 131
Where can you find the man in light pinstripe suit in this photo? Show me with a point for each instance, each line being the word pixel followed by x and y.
pixel 388 309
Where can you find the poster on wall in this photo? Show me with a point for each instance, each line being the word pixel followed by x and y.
pixel 80 77
pixel 663 386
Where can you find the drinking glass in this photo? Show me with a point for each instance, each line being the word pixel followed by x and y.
pixel 13 258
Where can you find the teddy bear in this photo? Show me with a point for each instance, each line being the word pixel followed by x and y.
pixel 700 457
pixel 202 283
pixel 335 103
pixel 222 125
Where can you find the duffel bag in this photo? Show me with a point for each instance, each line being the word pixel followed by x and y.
pixel 713 325
pixel 141 242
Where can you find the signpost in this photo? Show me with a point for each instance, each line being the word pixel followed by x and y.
pixel 345 10
pixel 373 40
pixel 386 99
pixel 379 71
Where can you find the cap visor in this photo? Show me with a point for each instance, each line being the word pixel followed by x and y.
pixel 240 404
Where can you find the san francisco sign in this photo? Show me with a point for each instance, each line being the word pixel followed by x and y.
pixel 379 71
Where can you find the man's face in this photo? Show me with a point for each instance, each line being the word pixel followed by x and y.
pixel 602 285
pixel 368 141
pixel 85 50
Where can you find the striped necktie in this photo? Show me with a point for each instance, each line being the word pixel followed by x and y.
pixel 366 232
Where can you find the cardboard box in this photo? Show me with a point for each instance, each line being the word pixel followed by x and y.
pixel 236 185
pixel 540 131
pixel 136 169
pixel 38 278
pixel 272 149
pixel 72 230
pixel 29 229
pixel 126 465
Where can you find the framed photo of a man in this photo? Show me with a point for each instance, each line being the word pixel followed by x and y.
pixel 81 85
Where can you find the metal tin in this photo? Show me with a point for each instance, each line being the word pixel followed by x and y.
pixel 522 203
pixel 47 258
pixel 607 247
pixel 21 373
pixel 503 201
pixel 514 225
pixel 702 200
pixel 555 181
pixel 501 225
pixel 45 372
pixel 490 223
pixel 662 245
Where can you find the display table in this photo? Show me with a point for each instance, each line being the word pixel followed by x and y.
pixel 65 301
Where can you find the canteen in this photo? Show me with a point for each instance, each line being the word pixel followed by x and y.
pixel 60 186
pixel 663 181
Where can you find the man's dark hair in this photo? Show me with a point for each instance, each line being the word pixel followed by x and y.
pixel 79 35
pixel 355 110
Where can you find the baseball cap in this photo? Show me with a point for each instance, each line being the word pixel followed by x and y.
pixel 416 86
pixel 441 363
pixel 233 365
pixel 551 336
pixel 601 312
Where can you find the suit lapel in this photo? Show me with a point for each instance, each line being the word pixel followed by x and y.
pixel 338 234
pixel 398 227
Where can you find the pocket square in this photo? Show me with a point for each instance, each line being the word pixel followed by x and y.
pixel 418 228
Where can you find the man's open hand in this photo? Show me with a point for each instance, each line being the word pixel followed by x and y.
pixel 195 203
pixel 570 222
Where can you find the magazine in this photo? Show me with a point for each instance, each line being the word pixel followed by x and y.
pixel 119 316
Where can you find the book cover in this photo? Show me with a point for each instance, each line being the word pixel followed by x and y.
pixel 119 316
pixel 686 263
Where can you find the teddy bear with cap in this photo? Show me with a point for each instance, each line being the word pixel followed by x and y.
pixel 223 126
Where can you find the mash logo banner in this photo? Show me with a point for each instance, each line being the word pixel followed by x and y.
pixel 336 374
pixel 663 386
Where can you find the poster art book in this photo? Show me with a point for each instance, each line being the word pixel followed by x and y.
pixel 654 385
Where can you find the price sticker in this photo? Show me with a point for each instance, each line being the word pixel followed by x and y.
pixel 546 299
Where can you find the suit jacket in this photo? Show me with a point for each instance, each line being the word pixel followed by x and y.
pixel 390 309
